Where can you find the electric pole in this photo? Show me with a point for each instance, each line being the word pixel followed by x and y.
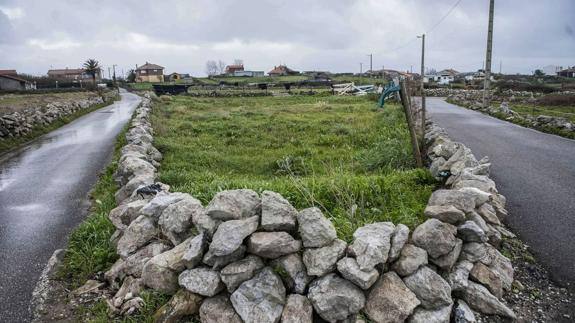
pixel 422 88
pixel 114 77
pixel 488 56
pixel 360 72
pixel 370 63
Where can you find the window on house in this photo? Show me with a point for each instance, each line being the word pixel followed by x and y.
pixel 143 71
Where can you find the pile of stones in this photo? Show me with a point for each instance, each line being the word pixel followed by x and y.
pixel 249 257
pixel 22 122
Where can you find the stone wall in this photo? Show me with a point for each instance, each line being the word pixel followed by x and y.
pixel 473 100
pixel 254 258
pixel 22 122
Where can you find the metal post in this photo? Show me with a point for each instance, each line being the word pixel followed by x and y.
pixel 488 56
pixel 422 90
pixel 360 72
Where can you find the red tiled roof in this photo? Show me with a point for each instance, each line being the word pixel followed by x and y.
pixel 281 69
pixel 8 72
pixel 67 71
pixel 149 66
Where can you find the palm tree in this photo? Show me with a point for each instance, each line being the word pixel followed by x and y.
pixel 92 67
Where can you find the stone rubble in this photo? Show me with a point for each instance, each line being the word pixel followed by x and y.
pixel 255 258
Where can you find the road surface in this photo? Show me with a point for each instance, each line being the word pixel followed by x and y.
pixel 43 196
pixel 534 170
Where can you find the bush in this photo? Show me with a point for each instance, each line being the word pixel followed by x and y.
pixel 523 86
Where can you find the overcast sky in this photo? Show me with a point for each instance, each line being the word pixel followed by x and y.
pixel 334 35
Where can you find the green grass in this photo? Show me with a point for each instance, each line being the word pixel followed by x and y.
pixel 12 143
pixel 338 153
pixel 567 112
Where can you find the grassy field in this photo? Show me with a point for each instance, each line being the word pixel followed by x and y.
pixel 567 112
pixel 338 153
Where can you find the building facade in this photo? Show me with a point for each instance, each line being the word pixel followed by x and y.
pixel 149 73
pixel 14 83
pixel 73 74
pixel 282 70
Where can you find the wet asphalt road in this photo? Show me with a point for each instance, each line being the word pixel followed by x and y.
pixel 535 171
pixel 43 196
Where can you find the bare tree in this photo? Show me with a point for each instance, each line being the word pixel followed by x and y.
pixel 238 61
pixel 221 67
pixel 212 68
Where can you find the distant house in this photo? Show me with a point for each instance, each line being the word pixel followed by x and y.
pixel 551 69
pixel 149 73
pixel 232 69
pixel 249 73
pixel 282 70
pixel 10 82
pixel 446 76
pixel 176 76
pixel 8 72
pixel 570 72
pixel 73 74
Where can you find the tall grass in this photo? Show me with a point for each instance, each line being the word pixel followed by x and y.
pixel 338 153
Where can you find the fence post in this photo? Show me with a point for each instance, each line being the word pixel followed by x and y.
pixel 406 103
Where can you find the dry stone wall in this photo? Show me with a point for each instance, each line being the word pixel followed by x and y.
pixel 249 257
pixel 22 122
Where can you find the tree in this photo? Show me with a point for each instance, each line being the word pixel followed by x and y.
pixel 211 68
pixel 221 67
pixel 131 76
pixel 92 67
pixel 539 73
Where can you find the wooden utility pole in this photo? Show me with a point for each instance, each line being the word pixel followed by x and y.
pixel 370 63
pixel 486 85
pixel 422 89
pixel 406 103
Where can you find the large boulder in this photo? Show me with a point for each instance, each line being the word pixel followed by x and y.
pixel 230 235
pixel 134 264
pixel 335 298
pixel 463 201
pixel 462 313
pixel 447 261
pixel 137 234
pixel 350 270
pixel 219 262
pixel 481 300
pixel 314 228
pixel 176 219
pixel 398 240
pixel 160 202
pixel 389 300
pixel 445 213
pixel 195 249
pixel 423 315
pixel 124 214
pixel 436 237
pixel 161 272
pixel 371 244
pixel 218 309
pixel 260 299
pixel 277 213
pixel 181 305
pixel 484 275
pixel 471 232
pixel 238 272
pixel 298 309
pixel 410 259
pixel 295 275
pixel 432 290
pixel 234 205
pixel 320 261
pixel 201 280
pixel 272 244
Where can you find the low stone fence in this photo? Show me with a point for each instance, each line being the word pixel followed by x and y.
pixel 22 122
pixel 255 258
pixel 503 111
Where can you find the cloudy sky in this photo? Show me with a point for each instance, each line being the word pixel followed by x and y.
pixel 334 35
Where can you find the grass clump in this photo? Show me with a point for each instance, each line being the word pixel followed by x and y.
pixel 338 153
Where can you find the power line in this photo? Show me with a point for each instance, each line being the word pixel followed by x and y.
pixel 443 18
pixel 429 30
